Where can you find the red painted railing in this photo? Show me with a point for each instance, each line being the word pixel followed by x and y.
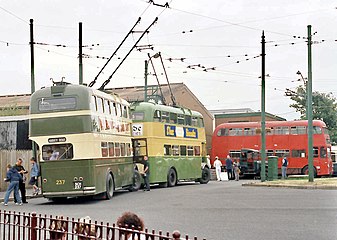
pixel 30 226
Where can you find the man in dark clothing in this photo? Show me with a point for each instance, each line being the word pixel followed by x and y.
pixel 229 168
pixel 18 166
pixel 146 174
pixel 13 177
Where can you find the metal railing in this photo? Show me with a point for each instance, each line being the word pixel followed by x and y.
pixel 31 226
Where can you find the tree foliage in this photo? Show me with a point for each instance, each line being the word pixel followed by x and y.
pixel 324 107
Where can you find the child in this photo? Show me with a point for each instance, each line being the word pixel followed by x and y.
pixel 34 174
pixel 14 177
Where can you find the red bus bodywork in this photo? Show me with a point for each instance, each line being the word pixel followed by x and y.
pixel 283 138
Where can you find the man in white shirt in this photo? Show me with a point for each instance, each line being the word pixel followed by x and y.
pixel 217 164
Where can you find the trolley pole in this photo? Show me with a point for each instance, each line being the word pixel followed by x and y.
pixel 32 72
pixel 145 77
pixel 263 112
pixel 309 110
pixel 80 55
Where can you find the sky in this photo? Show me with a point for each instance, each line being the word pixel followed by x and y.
pixel 222 37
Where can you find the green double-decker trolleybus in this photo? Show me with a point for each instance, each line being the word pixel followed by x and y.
pixel 174 140
pixel 84 141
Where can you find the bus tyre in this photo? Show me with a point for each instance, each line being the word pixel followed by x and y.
pixel 205 176
pixel 109 186
pixel 171 178
pixel 136 182
pixel 305 171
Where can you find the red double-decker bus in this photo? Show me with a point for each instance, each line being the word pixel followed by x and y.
pixel 283 138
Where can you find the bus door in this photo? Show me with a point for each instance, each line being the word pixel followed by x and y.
pixel 139 149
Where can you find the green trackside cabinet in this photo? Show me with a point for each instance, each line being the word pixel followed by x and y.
pixel 272 168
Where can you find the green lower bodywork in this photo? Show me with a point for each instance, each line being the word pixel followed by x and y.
pixel 187 168
pixel 59 176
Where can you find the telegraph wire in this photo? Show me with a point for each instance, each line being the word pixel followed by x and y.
pixel 14 15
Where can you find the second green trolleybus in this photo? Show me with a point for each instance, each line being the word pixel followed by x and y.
pixel 174 140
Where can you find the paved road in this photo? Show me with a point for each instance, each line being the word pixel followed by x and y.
pixel 218 210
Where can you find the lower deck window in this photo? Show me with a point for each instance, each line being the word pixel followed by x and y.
pixel 57 152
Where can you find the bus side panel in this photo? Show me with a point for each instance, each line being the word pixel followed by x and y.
pixel 121 168
pixel 186 167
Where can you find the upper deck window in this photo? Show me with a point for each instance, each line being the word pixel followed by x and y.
pixel 138 116
pixel 157 116
pixel 165 117
pixel 235 132
pixel 99 102
pixel 281 130
pixel 201 122
pixel 125 111
pixel 222 132
pixel 326 131
pixel 188 120
pixel 297 130
pixel 93 105
pixel 57 104
pixel 173 118
pixel 317 130
pixel 107 109
pixel 181 119
pixel 249 131
pixel 194 121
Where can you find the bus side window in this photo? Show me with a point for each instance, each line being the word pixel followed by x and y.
pixel 119 110
pixel 201 122
pixel 175 150
pixel 93 105
pixel 117 150
pixel 122 149
pixel 194 121
pixel 104 148
pixel 125 112
pixel 188 120
pixel 167 150
pixel 99 105
pixel 107 109
pixel 182 150
pixel 315 150
pixel 111 149
pixel 157 116
pixel 113 108
pixel 197 150
pixel 165 117
pixel 181 119
pixel 173 118
pixel 190 151
pixel 323 152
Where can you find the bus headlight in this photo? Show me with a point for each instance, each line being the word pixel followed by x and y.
pixel 80 178
pixel 44 180
pixel 318 167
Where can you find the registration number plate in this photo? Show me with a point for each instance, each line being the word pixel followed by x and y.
pixel 78 185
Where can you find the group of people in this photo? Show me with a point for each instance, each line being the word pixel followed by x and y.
pixel 16 176
pixel 85 230
pixel 232 168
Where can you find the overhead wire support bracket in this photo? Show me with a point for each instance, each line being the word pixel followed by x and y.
pixel 114 53
pixel 166 5
pixel 106 82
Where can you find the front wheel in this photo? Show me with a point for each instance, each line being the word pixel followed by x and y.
pixel 109 192
pixel 171 178
pixel 205 176
pixel 305 171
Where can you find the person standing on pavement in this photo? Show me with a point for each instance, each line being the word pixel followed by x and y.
pixel 18 166
pixel 34 174
pixel 236 170
pixel 14 177
pixel 229 168
pixel 146 174
pixel 217 164
pixel 284 167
